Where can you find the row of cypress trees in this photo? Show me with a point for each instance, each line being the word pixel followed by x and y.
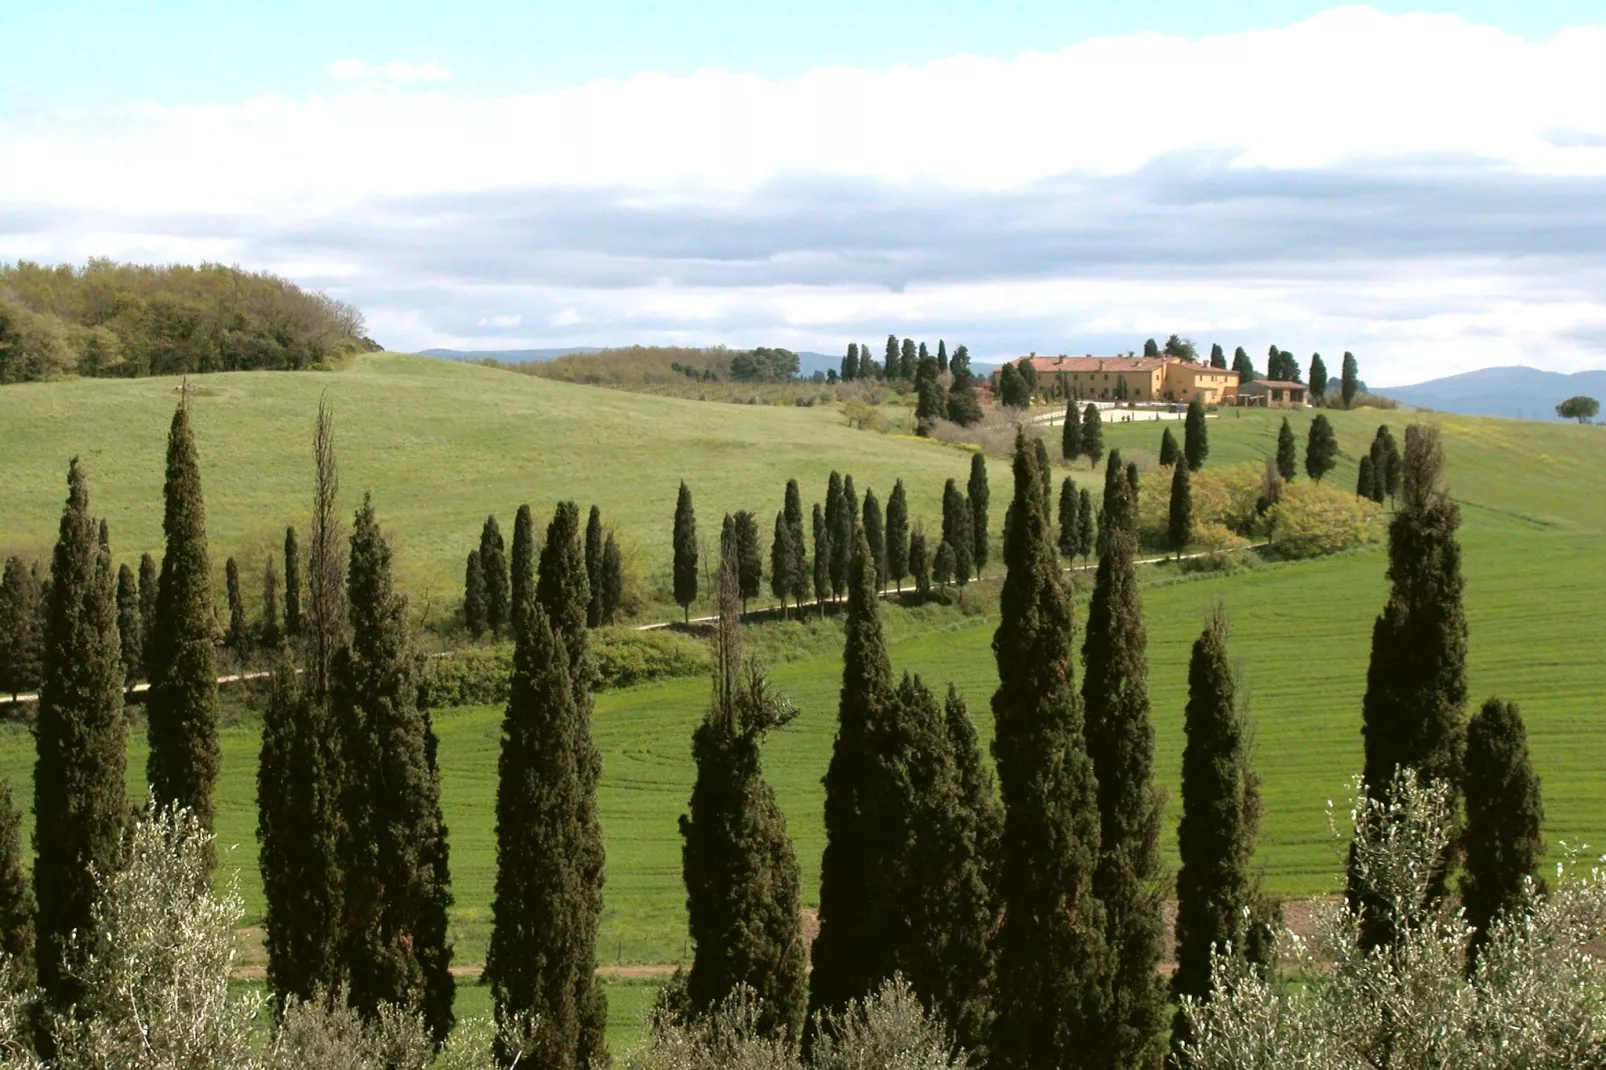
pixel 489 591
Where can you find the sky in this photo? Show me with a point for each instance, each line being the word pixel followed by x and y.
pixel 1421 184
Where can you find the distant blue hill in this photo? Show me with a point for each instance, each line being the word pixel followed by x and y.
pixel 1518 393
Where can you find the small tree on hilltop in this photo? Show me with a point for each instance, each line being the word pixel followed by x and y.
pixel 1168 448
pixel 1504 845
pixel 1287 451
pixel 1092 435
pixel 1321 448
pixel 685 540
pixel 1195 436
pixel 1580 408
pixel 897 534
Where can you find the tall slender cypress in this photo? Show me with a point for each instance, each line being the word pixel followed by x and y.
pixel 613 579
pixel 1120 741
pixel 1365 478
pixel 1071 433
pixel 474 615
pixel 822 559
pixel 1318 378
pixel 292 585
pixel 493 565
pixel 396 948
pixel 875 536
pixel 1321 448
pixel 563 593
pixel 839 529
pixel 1045 473
pixel 1051 944
pixel 16 897
pixel 781 561
pixel 130 628
pixel 1349 379
pixel 22 638
pixel 1287 451
pixel 795 519
pixel 685 544
pixel 1216 892
pixel 898 534
pixel 978 496
pixel 1179 528
pixel 238 636
pixel 1505 813
pixel 79 802
pixel 1086 525
pixel 1168 449
pixel 958 531
pixel 1068 519
pixel 741 874
pixel 1195 436
pixel 521 566
pixel 594 540
pixel 181 705
pixel 749 559
pixel 1092 434
pixel 271 634
pixel 919 563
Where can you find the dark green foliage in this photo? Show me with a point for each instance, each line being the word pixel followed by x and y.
pixel 1318 378
pixel 931 400
pixel 21 629
pixel 292 585
pixel 1120 742
pixel 822 559
pixel 563 593
pixel 594 540
pixel 850 513
pixel 299 830
pixel 1195 436
pixel 763 364
pixel 942 565
pixel 1168 448
pixel 850 363
pixel 891 362
pixel 875 537
pixel 742 878
pixel 1151 348
pixel 1349 379
pixel 1179 527
pixel 853 952
pixel 1243 366
pixel 474 616
pixel 130 628
pixel 908 358
pixel 1069 520
pixel 1134 482
pixel 16 897
pixel 1321 448
pixel 1505 814
pixel 685 539
pixel 494 566
pixel 977 497
pixel 613 580
pixel 1579 407
pixel 919 563
pixel 1012 389
pixel 1050 946
pixel 1416 683
pixel 958 532
pixel 782 559
pixel 1071 433
pixel 942 355
pixel 182 701
pixel 1086 525
pixel 749 558
pixel 1220 818
pixel 1385 457
pixel 1113 508
pixel 1218 359
pixel 1366 479
pixel 963 407
pixel 270 633
pixel 839 524
pixel 799 574
pixel 396 895
pixel 1180 348
pixel 897 535
pixel 521 567
pixel 1045 472
pixel 79 804
pixel 1282 366
pixel 238 636
pixel 1092 434
pixel 1287 451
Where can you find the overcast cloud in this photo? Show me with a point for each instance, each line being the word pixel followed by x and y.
pixel 1429 194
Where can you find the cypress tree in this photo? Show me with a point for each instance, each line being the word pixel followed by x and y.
pixel 853 951
pixel 781 558
pixel 1068 519
pixel 1318 378
pixel 931 400
pixel 1168 448
pixel 1379 454
pixel 799 573
pixel 300 827
pixel 594 540
pixel 1243 366
pixel 749 559
pixel 396 949
pixel 1287 452
pixel 521 566
pixel 1218 359
pixel 942 565
pixel 613 579
pixel 1392 463
pixel 875 536
pixel 1195 436
pixel 1120 742
pixel 1349 379
pixel 1416 683
pixel 149 586
pixel 16 897
pixel 1504 845
pixel 1086 531
pixel 79 802
pixel 897 538
pixel 130 629
pixel 1220 819
pixel 919 563
pixel 1092 434
pixel 822 559
pixel 1179 529
pixel 958 532
pixel 839 533
pixel 742 878
pixel 493 565
pixel 21 629
pixel 181 705
pixel 474 614
pixel 963 407
pixel 942 356
pixel 270 634
pixel 891 361
pixel 1365 478
pixel 1112 508
pixel 685 538
pixel 1051 945
pixel 850 363
pixel 850 511
pixel 908 358
pixel 1134 483
pixel 1045 472
pixel 292 585
pixel 1321 448
pixel 563 594
pixel 239 633
pixel 978 497
pixel 1071 433
pixel 326 615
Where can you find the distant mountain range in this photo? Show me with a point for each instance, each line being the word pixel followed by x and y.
pixel 1519 393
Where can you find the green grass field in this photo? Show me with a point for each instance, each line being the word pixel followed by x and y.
pixel 1533 498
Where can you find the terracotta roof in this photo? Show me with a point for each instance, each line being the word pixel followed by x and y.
pixel 1282 383
pixel 1094 364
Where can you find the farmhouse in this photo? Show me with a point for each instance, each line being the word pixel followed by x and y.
pixel 1134 378
pixel 1272 394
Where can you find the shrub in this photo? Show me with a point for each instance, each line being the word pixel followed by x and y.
pixel 1314 519
pixel 625 656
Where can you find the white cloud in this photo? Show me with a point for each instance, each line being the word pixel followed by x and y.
pixel 501 321
pixel 397 70
pixel 567 318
